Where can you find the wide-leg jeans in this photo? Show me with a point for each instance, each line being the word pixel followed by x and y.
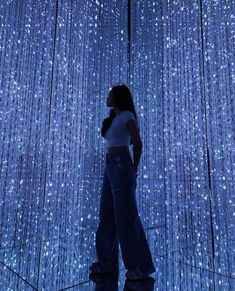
pixel 119 221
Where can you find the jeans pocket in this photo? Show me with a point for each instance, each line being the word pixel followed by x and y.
pixel 122 159
pixel 121 163
pixel 125 164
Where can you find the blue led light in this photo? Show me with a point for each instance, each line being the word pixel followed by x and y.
pixel 59 60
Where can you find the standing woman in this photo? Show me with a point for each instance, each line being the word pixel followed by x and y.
pixel 119 220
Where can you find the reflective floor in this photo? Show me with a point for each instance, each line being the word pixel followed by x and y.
pixel 59 60
pixel 60 264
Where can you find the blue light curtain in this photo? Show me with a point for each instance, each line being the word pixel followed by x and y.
pixel 58 60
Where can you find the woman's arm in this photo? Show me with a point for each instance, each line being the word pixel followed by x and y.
pixel 137 142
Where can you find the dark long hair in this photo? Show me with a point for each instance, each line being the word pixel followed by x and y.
pixel 124 101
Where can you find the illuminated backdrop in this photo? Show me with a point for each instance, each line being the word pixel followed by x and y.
pixel 58 60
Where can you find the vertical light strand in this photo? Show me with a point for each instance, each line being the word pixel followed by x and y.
pixel 58 60
pixel 129 40
pixel 207 152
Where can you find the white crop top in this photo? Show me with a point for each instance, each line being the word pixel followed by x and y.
pixel 117 134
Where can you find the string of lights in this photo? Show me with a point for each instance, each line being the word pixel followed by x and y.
pixel 58 61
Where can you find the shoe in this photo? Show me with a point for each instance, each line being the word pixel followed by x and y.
pixel 106 280
pixel 137 274
pixel 101 268
pixel 147 284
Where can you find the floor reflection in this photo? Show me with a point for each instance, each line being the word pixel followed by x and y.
pixel 110 282
pixel 63 264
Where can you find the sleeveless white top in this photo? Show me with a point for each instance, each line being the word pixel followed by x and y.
pixel 117 134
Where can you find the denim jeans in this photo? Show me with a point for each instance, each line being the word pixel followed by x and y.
pixel 119 221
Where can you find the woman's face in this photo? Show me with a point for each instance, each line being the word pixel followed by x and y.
pixel 110 100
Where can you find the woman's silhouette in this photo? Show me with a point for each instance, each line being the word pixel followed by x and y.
pixel 119 221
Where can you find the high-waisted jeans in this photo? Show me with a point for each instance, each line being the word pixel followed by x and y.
pixel 119 221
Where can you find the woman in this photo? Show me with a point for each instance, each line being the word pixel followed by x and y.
pixel 119 220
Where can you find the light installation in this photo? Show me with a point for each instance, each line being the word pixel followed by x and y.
pixel 58 61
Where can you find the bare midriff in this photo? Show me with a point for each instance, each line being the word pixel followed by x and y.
pixel 117 149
